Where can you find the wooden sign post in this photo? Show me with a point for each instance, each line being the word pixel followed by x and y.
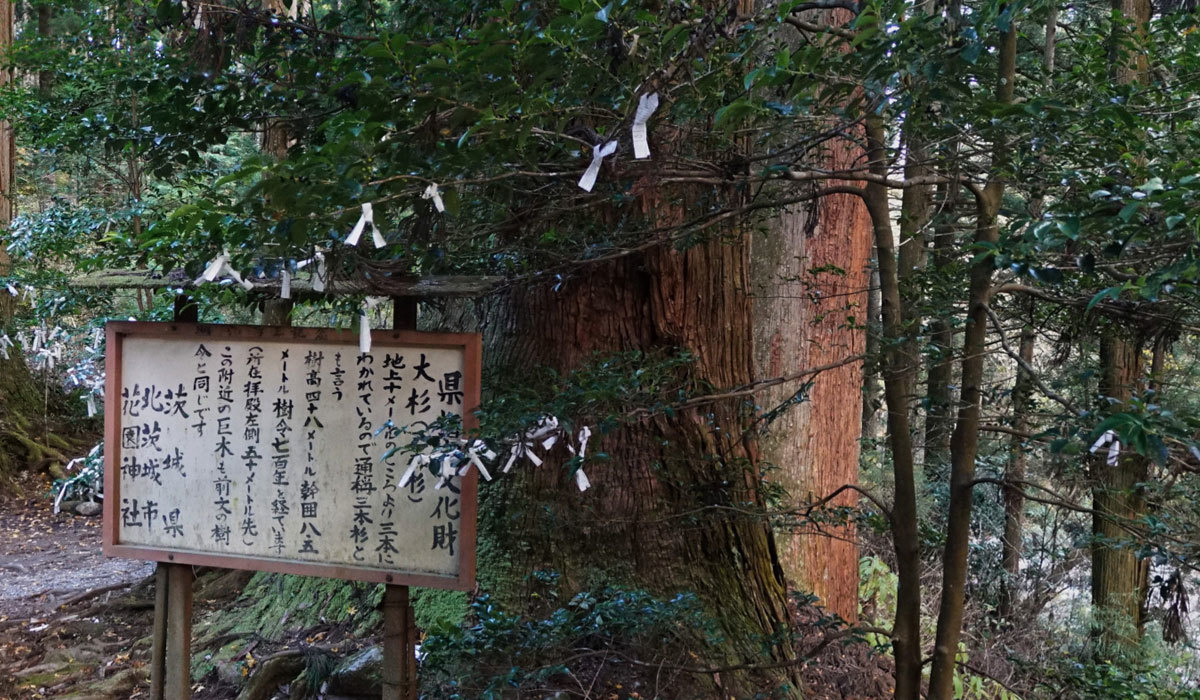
pixel 280 449
pixel 399 621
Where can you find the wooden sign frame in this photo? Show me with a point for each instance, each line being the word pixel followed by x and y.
pixel 117 331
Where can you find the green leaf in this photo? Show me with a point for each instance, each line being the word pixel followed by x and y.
pixel 1110 293
pixel 732 113
pixel 1154 184
pixel 748 81
pixel 452 201
pixel 1069 227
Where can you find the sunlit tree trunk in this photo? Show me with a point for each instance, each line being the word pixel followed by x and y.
pixel 805 319
pixel 810 274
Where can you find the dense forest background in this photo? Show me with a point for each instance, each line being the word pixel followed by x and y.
pixel 887 348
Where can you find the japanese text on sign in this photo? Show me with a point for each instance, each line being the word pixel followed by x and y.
pixel 283 449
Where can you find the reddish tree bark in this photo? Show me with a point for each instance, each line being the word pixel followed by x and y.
pixel 810 283
pixel 811 273
pixel 677 501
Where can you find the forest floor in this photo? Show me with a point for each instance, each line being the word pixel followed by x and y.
pixel 51 571
pixel 47 558
pixel 75 625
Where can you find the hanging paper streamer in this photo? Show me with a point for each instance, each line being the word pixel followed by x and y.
pixel 1114 447
pixel 473 459
pixel 646 106
pixel 513 456
pixel 5 344
pixel 456 455
pixel 417 462
pixel 581 479
pixel 599 153
pixel 364 331
pixel 432 192
pixel 220 266
pixel 285 284
pixel 547 432
pixel 318 278
pixel 246 284
pixel 364 323
pixel 214 268
pixel 442 475
pixel 367 218
pixel 91 405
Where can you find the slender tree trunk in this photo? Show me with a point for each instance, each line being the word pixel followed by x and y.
pixel 1118 503
pixel 1014 495
pixel 44 15
pixel 916 206
pixel 7 165
pixel 939 417
pixel 1116 497
pixel 7 150
pixel 872 389
pixel 1049 48
pixel 964 443
pixel 18 400
pixel 898 382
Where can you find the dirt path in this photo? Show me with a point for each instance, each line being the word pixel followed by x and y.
pixel 46 559
pixel 52 573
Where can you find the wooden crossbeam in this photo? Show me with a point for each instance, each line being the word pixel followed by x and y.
pixel 422 287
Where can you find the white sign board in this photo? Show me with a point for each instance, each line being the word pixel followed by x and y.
pixel 275 449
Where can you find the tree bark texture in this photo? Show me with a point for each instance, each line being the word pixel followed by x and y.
pixel 18 399
pixel 811 273
pixel 872 388
pixel 677 499
pixel 1014 494
pixel 940 414
pixel 1117 501
pixel 1116 498
pixel 898 382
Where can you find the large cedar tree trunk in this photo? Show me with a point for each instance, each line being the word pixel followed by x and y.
pixel 673 507
pixel 811 273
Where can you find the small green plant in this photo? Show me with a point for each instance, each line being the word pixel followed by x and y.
pixel 1111 681
pixel 496 652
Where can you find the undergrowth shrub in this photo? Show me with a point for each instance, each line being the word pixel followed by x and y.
pixel 496 654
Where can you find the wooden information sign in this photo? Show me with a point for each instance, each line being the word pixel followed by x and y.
pixel 267 448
